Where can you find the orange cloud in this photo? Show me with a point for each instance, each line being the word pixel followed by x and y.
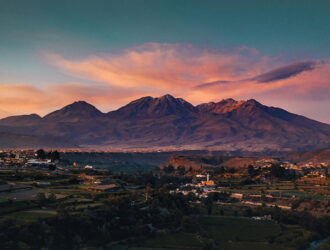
pixel 155 69
pixel 179 68
pixel 103 96
pixel 24 99
pixel 4 114
pixel 160 66
pixel 20 98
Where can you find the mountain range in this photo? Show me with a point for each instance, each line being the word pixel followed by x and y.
pixel 167 123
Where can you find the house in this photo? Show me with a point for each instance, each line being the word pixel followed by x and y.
pixel 207 182
pixel 265 217
pixel 41 163
pixel 43 184
pixel 236 195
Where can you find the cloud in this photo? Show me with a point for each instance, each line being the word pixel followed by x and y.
pixel 277 74
pixel 103 96
pixel 18 99
pixel 4 114
pixel 185 70
pixel 305 90
pixel 210 84
pixel 161 66
pixel 196 74
pixel 285 72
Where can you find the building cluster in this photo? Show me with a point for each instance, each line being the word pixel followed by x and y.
pixel 23 159
pixel 201 186
pixel 310 169
pixel 265 163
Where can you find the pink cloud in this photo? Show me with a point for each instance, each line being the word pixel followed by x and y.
pixel 21 98
pixel 160 66
pixel 179 68
pixel 16 99
pixel 156 69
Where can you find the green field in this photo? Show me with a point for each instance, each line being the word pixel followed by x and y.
pixel 230 233
pixel 284 189
pixel 222 232
pixel 174 240
pixel 32 215
pixel 163 221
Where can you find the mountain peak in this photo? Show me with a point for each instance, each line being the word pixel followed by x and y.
pixel 154 107
pixel 167 97
pixel 74 112
pixel 167 121
pixel 224 106
pixel 21 119
pixel 80 104
pixel 253 102
pixel 229 100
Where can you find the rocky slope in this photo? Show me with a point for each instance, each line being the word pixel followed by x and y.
pixel 173 123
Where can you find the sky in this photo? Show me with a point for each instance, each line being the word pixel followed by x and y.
pixel 109 53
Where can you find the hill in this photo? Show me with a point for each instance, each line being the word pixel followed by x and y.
pixel 315 156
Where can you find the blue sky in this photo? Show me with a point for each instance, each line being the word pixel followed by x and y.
pixel 273 27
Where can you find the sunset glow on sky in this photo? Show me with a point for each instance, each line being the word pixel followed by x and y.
pixel 109 53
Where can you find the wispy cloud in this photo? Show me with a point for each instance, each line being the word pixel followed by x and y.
pixel 160 66
pixel 196 74
pixel 285 72
pixel 25 99
pixel 276 74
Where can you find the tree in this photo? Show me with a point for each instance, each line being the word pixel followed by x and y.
pixel 181 170
pixel 209 204
pixel 41 198
pixel 41 154
pixel 277 171
pixel 52 197
pixel 295 185
pixel 52 167
pixel 248 212
pixel 147 191
pixel 186 224
pixel 209 244
pixel 251 170
pixel 221 170
pixel 54 155
pixel 191 196
pixel 169 169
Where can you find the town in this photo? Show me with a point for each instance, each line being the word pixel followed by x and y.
pixel 41 185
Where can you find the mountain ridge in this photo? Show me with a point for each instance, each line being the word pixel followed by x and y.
pixel 169 122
